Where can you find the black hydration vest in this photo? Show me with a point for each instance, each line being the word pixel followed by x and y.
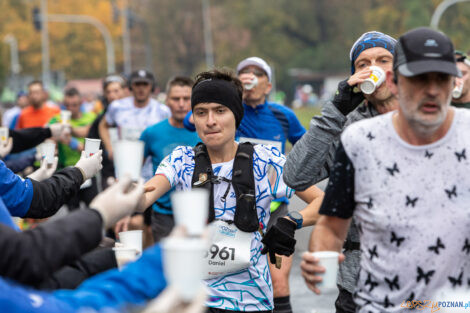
pixel 243 182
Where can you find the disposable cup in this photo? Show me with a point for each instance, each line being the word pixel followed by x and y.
pixel 48 152
pixel 91 146
pixel 457 91
pixel 4 133
pixel 65 116
pixel 124 255
pixel 329 260
pixel 183 264
pixel 251 85
pixel 132 239
pixel 190 209
pixel 128 158
pixel 374 81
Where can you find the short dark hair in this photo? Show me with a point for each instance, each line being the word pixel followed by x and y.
pixel 182 81
pixel 223 74
pixel 36 82
pixel 72 92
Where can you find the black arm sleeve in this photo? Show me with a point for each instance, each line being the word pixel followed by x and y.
pixel 90 264
pixel 339 195
pixel 50 194
pixel 28 138
pixel 31 256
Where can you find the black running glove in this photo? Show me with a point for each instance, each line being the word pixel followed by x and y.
pixel 345 99
pixel 279 239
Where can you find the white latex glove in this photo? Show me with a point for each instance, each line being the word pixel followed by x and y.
pixel 117 201
pixel 6 148
pixel 169 301
pixel 60 131
pixel 44 171
pixel 90 166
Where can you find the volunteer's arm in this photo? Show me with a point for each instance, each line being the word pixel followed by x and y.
pixel 33 255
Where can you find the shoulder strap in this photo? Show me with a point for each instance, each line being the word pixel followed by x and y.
pixel 202 175
pixel 243 182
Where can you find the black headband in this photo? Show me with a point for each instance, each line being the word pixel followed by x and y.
pixel 218 91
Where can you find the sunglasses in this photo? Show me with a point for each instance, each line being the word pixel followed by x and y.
pixel 256 72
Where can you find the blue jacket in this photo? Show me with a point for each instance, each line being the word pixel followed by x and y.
pixel 15 192
pixel 135 284
pixel 268 121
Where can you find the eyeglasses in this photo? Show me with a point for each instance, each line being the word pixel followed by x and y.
pixel 254 71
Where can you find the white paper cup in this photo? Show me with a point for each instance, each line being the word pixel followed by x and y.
pixel 91 146
pixel 251 85
pixel 183 264
pixel 329 260
pixel 191 209
pixel 128 158
pixel 48 152
pixel 4 133
pixel 132 239
pixel 124 255
pixel 65 116
pixel 374 81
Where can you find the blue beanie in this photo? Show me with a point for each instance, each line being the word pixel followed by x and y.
pixel 368 40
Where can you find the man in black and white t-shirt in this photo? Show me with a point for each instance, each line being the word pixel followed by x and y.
pixel 404 177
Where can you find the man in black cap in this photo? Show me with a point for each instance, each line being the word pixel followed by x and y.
pixel 403 176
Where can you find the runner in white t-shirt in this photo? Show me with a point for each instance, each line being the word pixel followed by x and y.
pixel 133 114
pixel 217 106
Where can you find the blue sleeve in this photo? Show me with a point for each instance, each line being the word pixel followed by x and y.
pixel 144 138
pixel 18 164
pixel 136 283
pixel 187 124
pixel 296 130
pixel 5 217
pixel 16 193
pixel 14 121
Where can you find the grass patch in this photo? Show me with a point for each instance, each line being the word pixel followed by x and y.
pixel 305 114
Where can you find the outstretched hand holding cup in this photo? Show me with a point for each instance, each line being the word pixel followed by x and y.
pixel 90 166
pixel 118 200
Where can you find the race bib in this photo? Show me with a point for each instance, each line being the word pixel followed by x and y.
pixel 276 144
pixel 229 250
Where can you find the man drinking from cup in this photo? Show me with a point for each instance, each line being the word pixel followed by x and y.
pixel 311 159
pixel 216 103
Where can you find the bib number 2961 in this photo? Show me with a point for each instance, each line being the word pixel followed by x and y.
pixel 223 253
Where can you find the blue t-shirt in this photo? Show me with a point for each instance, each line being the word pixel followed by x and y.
pixel 160 140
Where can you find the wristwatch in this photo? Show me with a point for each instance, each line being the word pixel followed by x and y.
pixel 297 218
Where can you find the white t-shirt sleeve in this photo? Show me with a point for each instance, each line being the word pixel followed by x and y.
pixel 274 170
pixel 172 166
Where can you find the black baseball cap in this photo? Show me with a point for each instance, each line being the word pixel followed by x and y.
pixel 142 76
pixel 423 50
